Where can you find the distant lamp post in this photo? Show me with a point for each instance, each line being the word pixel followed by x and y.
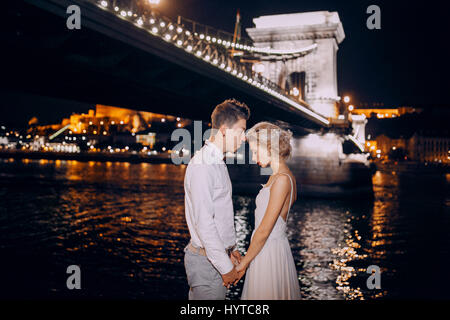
pixel 350 107
pixel 344 108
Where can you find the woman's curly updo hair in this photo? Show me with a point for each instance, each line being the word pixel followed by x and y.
pixel 267 134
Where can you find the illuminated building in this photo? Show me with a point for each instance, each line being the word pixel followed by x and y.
pixel 421 147
pixel 385 144
pixel 426 147
pixel 146 139
pixel 382 113
pixel 118 125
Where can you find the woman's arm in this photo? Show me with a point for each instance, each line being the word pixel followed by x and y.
pixel 278 193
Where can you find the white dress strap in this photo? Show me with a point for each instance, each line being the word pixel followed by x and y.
pixel 290 198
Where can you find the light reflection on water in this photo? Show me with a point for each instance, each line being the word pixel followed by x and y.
pixel 124 225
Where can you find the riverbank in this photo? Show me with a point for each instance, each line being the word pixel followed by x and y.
pixel 411 167
pixel 87 156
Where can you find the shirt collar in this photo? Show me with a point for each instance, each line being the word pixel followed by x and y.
pixel 215 151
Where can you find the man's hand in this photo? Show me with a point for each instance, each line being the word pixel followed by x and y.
pixel 230 277
pixel 235 257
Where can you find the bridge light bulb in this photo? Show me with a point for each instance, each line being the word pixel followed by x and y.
pixel 152 21
pixel 167 36
pixel 179 29
pixel 154 29
pixel 179 42
pixel 189 48
pixel 116 9
pixel 129 13
pixel 162 24
pixel 104 4
pixel 123 13
pixel 215 61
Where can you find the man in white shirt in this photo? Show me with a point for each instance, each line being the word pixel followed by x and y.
pixel 210 256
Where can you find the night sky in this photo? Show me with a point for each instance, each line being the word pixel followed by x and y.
pixel 404 63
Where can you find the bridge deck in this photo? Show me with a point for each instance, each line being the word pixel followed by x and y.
pixel 113 61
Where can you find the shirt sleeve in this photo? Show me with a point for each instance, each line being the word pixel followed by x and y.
pixel 202 192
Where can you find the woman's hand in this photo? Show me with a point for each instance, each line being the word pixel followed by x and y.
pixel 235 257
pixel 241 268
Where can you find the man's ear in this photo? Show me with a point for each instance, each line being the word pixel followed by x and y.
pixel 223 129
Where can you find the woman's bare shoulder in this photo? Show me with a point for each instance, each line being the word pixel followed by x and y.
pixel 282 182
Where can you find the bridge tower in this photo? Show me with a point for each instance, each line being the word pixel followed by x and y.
pixel 312 76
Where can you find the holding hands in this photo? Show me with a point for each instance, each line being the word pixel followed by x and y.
pixel 233 277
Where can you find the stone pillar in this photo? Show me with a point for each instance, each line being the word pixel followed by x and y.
pixel 297 31
pixel 359 127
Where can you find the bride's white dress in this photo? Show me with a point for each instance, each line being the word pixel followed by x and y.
pixel 272 274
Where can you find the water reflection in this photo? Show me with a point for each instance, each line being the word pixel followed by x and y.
pixel 124 225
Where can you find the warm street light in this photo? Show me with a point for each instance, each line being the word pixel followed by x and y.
pixel 346 99
pixel 350 107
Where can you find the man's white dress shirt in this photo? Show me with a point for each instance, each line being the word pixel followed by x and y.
pixel 209 207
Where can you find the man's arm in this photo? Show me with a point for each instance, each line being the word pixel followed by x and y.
pixel 202 191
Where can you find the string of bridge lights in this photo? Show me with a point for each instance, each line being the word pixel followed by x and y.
pixel 154 30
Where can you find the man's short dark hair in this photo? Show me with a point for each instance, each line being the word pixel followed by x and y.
pixel 229 112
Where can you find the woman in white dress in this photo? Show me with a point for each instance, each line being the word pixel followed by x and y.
pixel 269 265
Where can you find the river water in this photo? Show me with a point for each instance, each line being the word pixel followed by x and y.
pixel 124 225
